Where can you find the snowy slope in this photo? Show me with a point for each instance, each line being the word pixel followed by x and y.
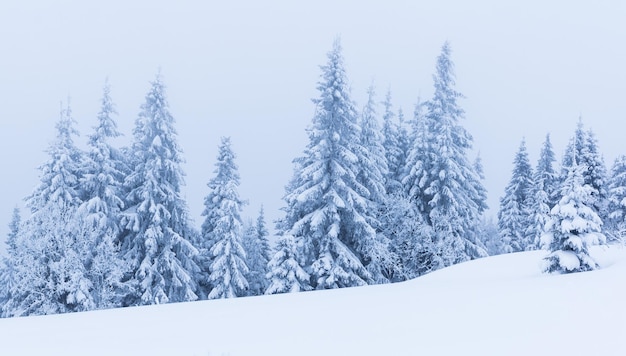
pixel 499 305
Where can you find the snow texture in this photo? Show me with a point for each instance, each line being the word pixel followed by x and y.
pixel 461 310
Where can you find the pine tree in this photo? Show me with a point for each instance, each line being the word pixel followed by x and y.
pixel 222 230
pixel 440 179
pixel 100 211
pixel 515 205
pixel 285 274
pixel 573 227
pixel 50 257
pixel 155 241
pixel 544 190
pixel 617 200
pixel 327 206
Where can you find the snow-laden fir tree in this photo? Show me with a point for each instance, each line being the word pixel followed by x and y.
pixel 100 211
pixel 617 200
pixel 285 274
pixel 155 241
pixel 440 179
pixel 327 206
pixel 573 227
pixel 9 267
pixel 222 230
pixel 515 206
pixel 50 251
pixel 545 181
pixel 258 251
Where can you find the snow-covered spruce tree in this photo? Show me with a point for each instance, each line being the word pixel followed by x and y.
pixel 100 211
pixel 372 172
pixel 515 205
pixel 222 230
pixel 545 181
pixel 327 206
pixel 285 274
pixel 617 201
pixel 440 179
pixel 394 152
pixel 258 252
pixel 50 251
pixel 8 267
pixel 373 161
pixel 155 237
pixel 583 150
pixel 573 227
pixel 596 175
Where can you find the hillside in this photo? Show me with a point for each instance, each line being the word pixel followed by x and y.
pixel 500 305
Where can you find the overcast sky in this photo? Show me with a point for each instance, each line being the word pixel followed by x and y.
pixel 248 69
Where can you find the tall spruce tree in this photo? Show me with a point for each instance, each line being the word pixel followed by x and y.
pixel 222 230
pixel 155 241
pixel 100 211
pixel 515 205
pixel 327 206
pixel 440 178
pixel 372 172
pixel 544 189
pixel 573 227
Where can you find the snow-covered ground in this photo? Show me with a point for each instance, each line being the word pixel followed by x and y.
pixel 500 305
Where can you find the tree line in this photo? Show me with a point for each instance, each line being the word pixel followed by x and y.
pixel 367 203
pixel 564 210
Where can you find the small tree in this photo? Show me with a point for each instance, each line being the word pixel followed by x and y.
pixel 8 267
pixel 617 200
pixel 285 274
pixel 258 251
pixel 574 226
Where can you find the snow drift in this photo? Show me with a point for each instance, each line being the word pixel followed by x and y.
pixel 499 305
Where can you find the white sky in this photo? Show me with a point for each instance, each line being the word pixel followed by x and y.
pixel 248 69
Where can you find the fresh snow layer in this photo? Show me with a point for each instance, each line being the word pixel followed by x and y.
pixel 500 305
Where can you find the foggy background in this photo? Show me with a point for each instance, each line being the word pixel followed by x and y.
pixel 249 69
